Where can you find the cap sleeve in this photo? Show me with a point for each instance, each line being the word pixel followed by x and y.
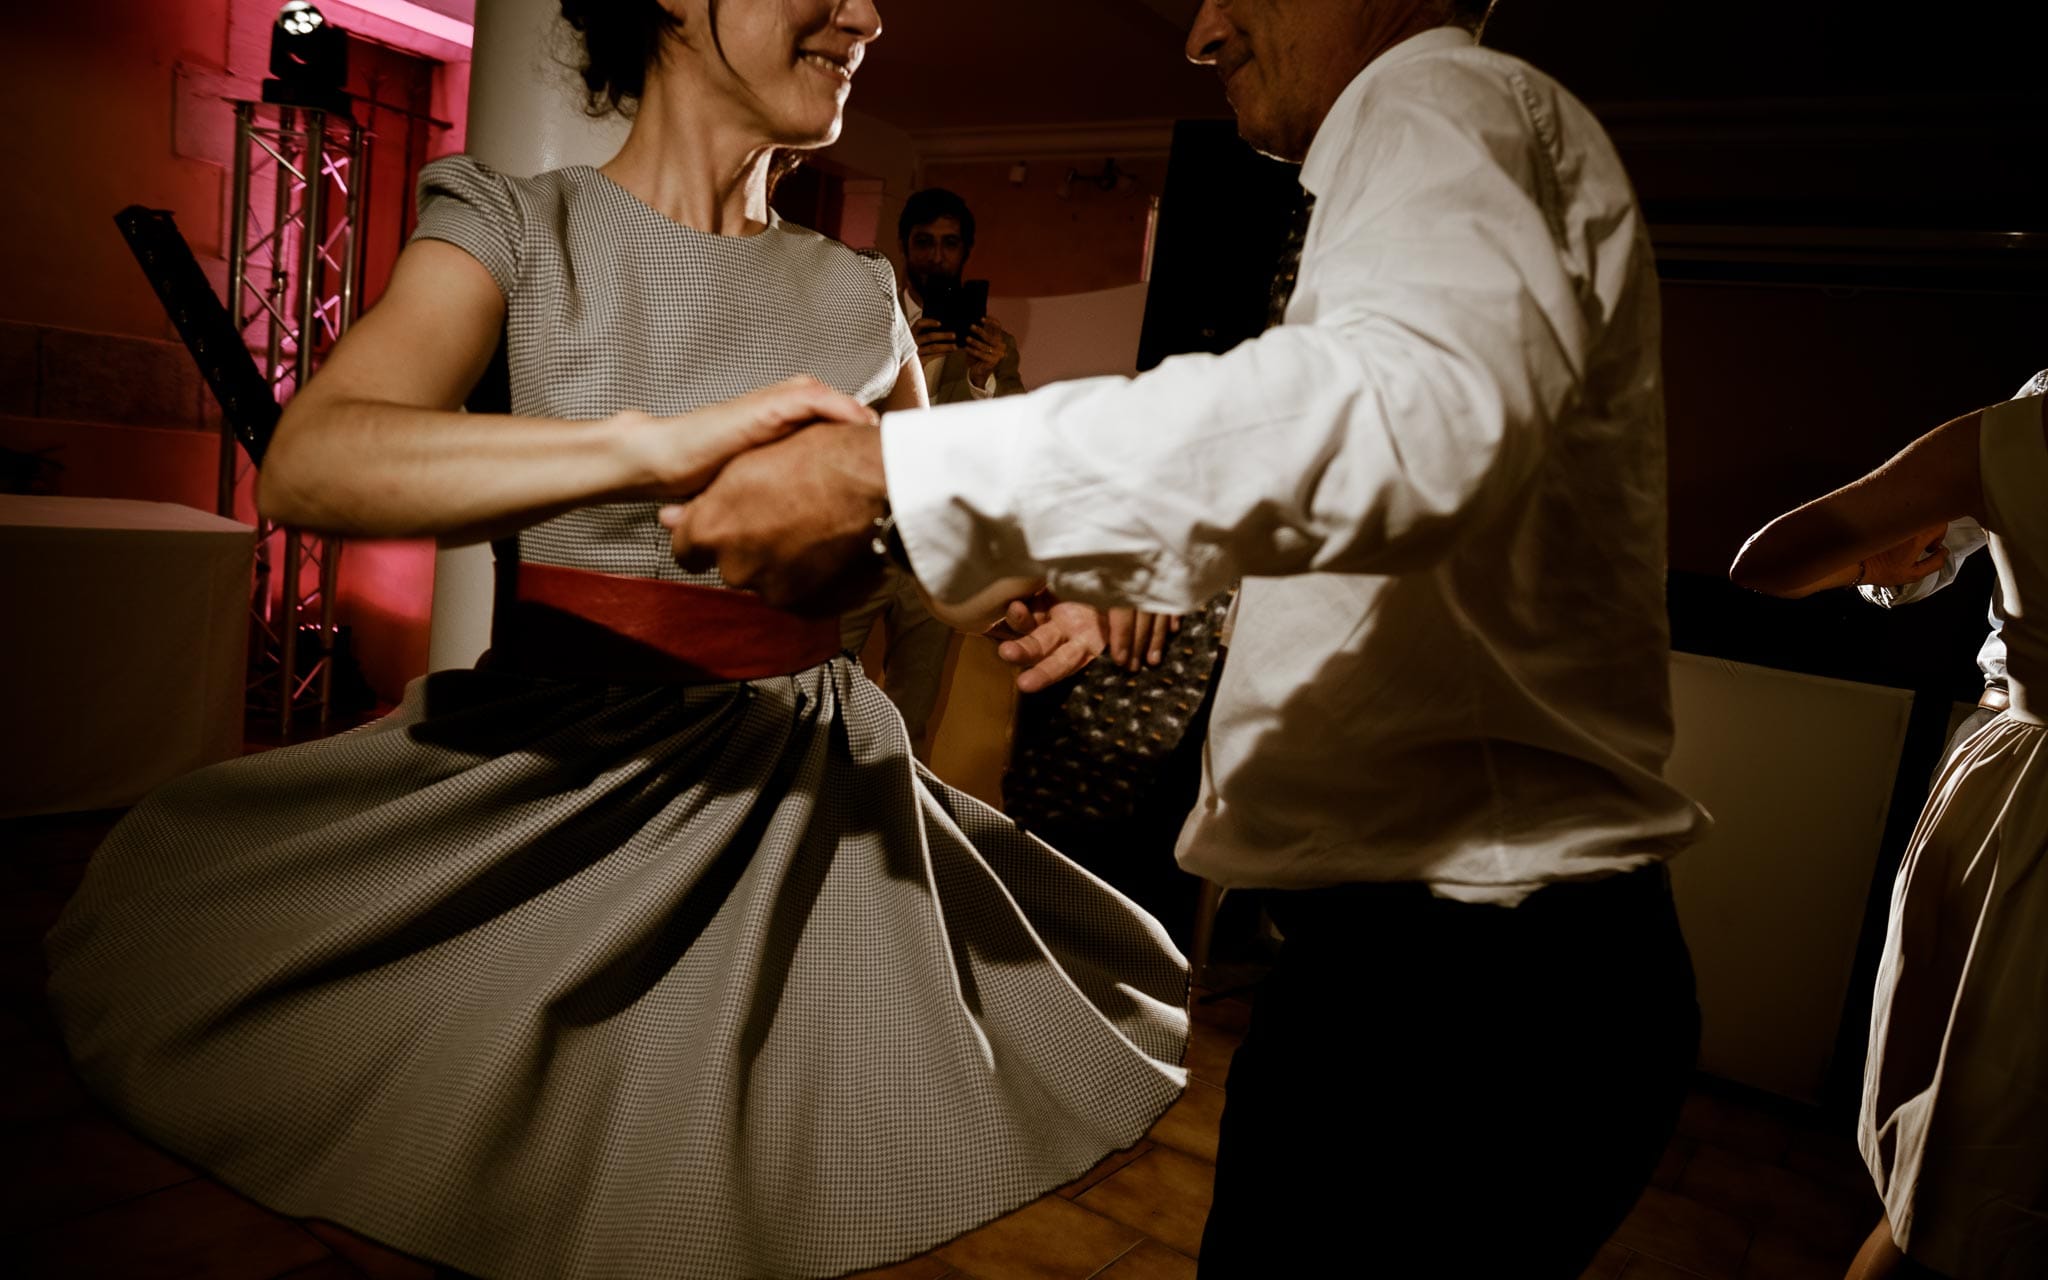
pixel 2013 457
pixel 885 277
pixel 472 207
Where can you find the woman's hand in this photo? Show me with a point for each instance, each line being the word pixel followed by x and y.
pixel 1056 638
pixel 1138 639
pixel 1908 561
pixel 685 453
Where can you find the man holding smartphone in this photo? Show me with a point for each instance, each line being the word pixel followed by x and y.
pixel 967 353
pixel 937 231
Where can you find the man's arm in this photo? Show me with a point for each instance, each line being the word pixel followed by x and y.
pixel 1448 335
pixel 1450 332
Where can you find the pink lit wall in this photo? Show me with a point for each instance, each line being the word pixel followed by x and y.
pixel 122 102
pixel 1033 242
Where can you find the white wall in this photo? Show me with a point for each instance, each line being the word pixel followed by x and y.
pixel 1797 771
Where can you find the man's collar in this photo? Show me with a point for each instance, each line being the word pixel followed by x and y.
pixel 1319 166
pixel 913 310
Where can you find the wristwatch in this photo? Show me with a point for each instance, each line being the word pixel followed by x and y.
pixel 888 541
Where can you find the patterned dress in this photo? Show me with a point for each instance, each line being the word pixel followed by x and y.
pixel 545 977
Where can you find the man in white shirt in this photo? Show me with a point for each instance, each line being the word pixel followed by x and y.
pixel 1441 733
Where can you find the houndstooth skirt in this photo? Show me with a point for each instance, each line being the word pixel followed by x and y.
pixel 536 978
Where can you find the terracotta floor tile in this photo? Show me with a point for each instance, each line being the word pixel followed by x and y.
pixel 1768 1196
pixel 1110 1164
pixel 1831 1158
pixel 26 914
pixel 1686 1233
pixel 325 1269
pixel 1732 1126
pixel 197 1228
pixel 1671 1166
pixel 15 1029
pixel 1774 1255
pixel 1165 1194
pixel 1642 1266
pixel 1190 1125
pixel 37 1086
pixel 1210 1049
pixel 23 978
pixel 367 1256
pixel 71 1167
pixel 1607 1264
pixel 928 1267
pixel 1150 1260
pixel 1048 1239
pixel 1232 1013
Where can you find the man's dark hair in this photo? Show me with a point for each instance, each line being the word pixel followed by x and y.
pixel 931 204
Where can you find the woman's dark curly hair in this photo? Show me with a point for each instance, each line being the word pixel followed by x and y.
pixel 621 39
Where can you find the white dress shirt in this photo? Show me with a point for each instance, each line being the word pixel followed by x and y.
pixel 1964 539
pixel 913 311
pixel 1442 481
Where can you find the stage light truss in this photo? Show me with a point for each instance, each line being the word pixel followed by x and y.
pixel 293 268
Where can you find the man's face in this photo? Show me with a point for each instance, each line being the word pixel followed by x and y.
pixel 1284 62
pixel 936 251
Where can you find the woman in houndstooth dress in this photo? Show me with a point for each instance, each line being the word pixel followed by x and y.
pixel 565 969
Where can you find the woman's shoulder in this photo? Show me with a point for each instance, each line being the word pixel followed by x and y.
pixel 464 176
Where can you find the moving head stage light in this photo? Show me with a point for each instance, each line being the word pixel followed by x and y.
pixel 309 60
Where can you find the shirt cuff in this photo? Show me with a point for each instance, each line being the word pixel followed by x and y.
pixel 954 492
pixel 980 392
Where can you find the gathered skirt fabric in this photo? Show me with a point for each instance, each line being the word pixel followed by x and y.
pixel 1955 1098
pixel 538 978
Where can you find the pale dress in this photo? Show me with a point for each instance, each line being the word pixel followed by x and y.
pixel 1955 1102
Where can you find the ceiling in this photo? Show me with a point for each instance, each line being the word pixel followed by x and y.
pixel 944 64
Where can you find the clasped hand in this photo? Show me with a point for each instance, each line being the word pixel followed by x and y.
pixel 783 496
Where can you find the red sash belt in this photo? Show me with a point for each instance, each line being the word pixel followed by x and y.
pixel 576 624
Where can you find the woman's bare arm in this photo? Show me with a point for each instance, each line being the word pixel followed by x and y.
pixel 375 445
pixel 1875 529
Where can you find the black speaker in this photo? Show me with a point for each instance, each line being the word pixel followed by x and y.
pixel 1223 221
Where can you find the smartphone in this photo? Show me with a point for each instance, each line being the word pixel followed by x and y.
pixel 959 308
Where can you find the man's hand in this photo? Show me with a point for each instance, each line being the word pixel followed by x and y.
pixel 1056 638
pixel 1908 561
pixel 987 347
pixel 933 343
pixel 793 520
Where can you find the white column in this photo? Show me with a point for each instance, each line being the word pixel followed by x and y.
pixel 525 117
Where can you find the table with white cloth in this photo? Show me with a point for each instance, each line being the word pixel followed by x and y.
pixel 123 651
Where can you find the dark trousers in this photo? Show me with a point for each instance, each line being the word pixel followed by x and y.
pixel 1430 1088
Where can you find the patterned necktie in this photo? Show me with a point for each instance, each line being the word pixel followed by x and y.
pixel 1290 260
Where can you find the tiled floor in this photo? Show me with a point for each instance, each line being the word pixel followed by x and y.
pixel 1749 1190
